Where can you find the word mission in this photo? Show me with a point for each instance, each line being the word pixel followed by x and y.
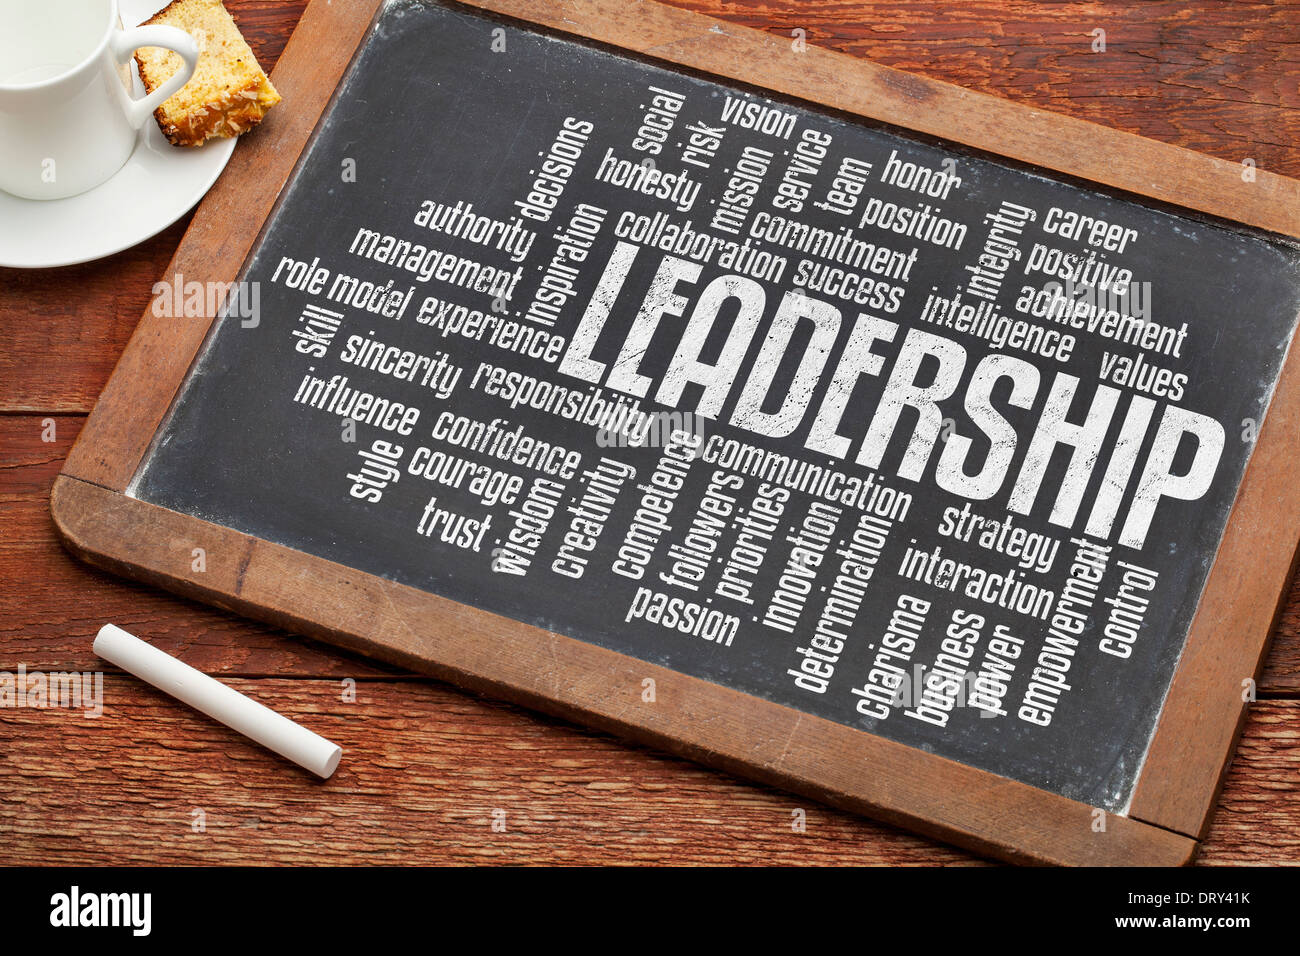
pixel 921 442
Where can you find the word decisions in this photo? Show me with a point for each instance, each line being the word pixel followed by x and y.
pixel 950 396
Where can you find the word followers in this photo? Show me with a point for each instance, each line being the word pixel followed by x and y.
pixel 672 306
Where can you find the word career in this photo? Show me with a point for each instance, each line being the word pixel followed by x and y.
pixel 925 377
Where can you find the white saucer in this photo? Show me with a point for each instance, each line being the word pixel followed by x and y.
pixel 158 185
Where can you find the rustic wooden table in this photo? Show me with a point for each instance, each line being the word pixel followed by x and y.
pixel 432 775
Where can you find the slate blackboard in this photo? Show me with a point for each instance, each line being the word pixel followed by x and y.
pixel 809 413
pixel 823 448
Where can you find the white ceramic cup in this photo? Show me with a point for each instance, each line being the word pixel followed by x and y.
pixel 68 121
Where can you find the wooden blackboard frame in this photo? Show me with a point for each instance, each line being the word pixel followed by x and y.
pixel 1204 710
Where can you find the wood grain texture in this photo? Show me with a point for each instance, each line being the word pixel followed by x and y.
pixel 63 330
pixel 864 88
pixel 1205 708
pixel 552 672
pixel 1256 820
pixel 219 238
pixel 559 675
pixel 425 768
pixel 1220 78
pixel 56 632
pixel 221 234
pixel 1215 77
pixel 51 606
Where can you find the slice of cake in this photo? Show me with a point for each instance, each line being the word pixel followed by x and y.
pixel 228 94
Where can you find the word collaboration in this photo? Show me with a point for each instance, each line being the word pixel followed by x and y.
pixel 894 434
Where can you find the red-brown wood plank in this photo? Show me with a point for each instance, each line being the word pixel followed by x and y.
pixel 54 605
pixel 51 605
pixel 1220 78
pixel 62 330
pixel 426 767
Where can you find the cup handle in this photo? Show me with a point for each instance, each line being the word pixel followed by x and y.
pixel 126 42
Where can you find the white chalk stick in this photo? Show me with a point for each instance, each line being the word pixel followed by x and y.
pixel 271 730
